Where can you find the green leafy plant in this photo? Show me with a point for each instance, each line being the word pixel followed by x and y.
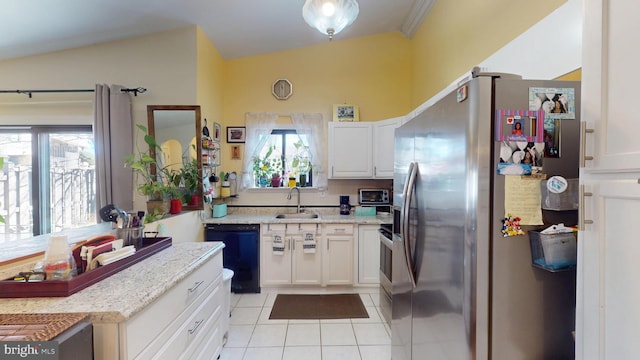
pixel 265 167
pixel 158 182
pixel 301 162
pixel 190 176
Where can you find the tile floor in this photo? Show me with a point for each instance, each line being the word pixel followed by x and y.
pixel 253 336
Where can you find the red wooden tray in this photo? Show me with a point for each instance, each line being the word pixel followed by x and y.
pixel 58 288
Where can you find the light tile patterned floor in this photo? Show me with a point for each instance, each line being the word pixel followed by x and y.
pixel 253 336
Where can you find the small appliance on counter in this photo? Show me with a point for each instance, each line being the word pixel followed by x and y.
pixel 345 207
pixel 373 197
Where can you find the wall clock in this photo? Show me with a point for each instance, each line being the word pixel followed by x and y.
pixel 282 89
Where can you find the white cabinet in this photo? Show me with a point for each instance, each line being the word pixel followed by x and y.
pixel 609 79
pixel 368 254
pixel 383 138
pixel 338 264
pixel 608 248
pixel 362 150
pixel 350 150
pixel 294 266
pixel 177 324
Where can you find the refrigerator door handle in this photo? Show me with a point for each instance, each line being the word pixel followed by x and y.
pixel 409 188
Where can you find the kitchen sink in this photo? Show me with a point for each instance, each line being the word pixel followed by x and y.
pixel 297 216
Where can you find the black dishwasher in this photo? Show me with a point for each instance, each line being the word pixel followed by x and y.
pixel 241 253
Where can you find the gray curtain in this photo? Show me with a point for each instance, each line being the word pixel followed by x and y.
pixel 112 130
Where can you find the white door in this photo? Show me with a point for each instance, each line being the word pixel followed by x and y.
pixel 350 150
pixel 339 264
pixel 610 80
pixel 607 311
pixel 368 254
pixel 307 267
pixel 609 256
pixel 383 136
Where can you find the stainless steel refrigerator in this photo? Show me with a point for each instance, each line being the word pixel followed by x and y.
pixel 474 293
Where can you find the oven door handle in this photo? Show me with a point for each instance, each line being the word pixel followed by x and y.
pixel 386 241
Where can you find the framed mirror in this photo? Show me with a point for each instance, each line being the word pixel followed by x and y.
pixel 177 129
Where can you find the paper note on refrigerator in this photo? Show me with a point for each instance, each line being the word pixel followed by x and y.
pixel 522 199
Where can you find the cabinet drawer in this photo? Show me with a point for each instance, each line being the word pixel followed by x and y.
pixel 271 228
pixel 182 337
pixel 145 326
pixel 339 229
pixel 303 228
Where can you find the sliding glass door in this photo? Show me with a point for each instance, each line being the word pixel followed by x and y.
pixel 47 183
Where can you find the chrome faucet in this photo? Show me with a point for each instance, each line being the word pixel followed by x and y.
pixel 289 196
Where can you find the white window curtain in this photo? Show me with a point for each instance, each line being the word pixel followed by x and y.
pixel 257 132
pixel 315 127
pixel 112 130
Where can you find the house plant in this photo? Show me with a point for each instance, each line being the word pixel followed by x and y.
pixel 268 165
pixel 275 180
pixel 155 181
pixel 190 177
pixel 301 162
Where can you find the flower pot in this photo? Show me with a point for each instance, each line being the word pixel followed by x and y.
pixel 175 206
pixel 157 207
pixel 275 182
pixel 194 200
pixel 303 180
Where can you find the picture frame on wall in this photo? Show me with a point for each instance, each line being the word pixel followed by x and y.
pixel 236 152
pixel 345 112
pixel 217 130
pixel 236 134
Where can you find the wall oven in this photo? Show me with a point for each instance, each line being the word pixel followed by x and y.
pixel 386 256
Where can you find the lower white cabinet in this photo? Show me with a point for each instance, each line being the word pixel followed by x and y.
pixel 177 325
pixel 294 265
pixel 338 264
pixel 368 254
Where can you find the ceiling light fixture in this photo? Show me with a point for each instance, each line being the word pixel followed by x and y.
pixel 330 16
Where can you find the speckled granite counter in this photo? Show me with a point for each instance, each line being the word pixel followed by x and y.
pixel 122 295
pixel 322 219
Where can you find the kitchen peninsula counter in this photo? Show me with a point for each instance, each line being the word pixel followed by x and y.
pixel 122 295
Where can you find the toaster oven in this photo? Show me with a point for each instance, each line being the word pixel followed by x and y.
pixel 373 197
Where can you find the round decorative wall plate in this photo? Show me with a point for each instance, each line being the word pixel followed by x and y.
pixel 282 89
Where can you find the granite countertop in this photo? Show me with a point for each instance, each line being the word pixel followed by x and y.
pixel 322 219
pixel 120 296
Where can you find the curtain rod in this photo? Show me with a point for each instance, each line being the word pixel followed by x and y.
pixel 135 91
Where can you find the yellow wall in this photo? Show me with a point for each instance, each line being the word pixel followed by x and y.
pixel 459 34
pixel 209 79
pixel 572 76
pixel 371 72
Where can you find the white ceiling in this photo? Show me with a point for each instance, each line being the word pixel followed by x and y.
pixel 237 28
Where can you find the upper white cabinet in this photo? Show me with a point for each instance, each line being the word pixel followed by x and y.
pixel 362 150
pixel 609 79
pixel 383 137
pixel 608 251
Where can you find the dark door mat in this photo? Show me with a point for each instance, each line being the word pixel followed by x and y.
pixel 329 306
